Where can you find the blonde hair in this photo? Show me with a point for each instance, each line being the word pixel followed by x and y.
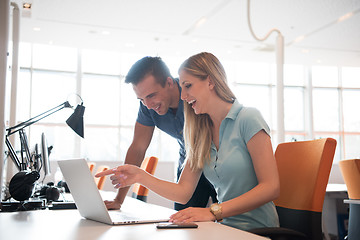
pixel 197 128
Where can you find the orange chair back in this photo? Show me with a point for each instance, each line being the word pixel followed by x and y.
pixel 91 166
pixel 304 169
pixel 149 165
pixel 350 170
pixel 101 180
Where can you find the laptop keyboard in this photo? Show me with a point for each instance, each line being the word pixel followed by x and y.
pixel 122 216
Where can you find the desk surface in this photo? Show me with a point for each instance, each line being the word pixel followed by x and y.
pixel 336 187
pixel 69 225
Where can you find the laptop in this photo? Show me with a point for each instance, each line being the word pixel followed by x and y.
pixel 91 205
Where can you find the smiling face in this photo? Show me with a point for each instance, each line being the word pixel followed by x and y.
pixel 196 92
pixel 154 96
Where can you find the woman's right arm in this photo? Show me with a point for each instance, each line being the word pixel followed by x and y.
pixel 181 192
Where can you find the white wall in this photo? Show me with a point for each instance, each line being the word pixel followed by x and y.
pixel 335 174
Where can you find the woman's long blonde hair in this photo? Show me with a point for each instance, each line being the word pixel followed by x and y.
pixel 197 128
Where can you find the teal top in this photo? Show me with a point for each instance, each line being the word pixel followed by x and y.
pixel 231 170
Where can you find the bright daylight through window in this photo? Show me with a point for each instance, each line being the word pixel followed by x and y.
pixel 49 73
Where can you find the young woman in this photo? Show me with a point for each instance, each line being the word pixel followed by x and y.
pixel 226 141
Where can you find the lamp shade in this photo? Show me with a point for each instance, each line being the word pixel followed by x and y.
pixel 76 120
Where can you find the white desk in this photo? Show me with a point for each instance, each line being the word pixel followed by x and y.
pixel 334 188
pixel 69 225
pixel 354 201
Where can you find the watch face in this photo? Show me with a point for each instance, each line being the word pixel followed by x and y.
pixel 216 208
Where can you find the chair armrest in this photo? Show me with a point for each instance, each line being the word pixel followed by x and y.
pixel 279 233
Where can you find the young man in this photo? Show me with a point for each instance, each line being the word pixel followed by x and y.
pixel 160 106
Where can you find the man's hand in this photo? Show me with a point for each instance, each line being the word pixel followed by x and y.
pixel 112 205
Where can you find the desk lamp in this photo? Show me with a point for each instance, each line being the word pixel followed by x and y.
pixel 22 183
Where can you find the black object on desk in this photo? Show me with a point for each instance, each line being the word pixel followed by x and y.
pixel 168 225
pixel 62 205
pixel 14 206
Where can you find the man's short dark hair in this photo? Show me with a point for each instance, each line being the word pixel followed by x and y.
pixel 148 65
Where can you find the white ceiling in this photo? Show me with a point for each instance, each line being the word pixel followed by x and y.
pixel 157 27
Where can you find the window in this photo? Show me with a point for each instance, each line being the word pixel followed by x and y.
pixel 50 89
pixel 326 110
pixel 335 110
pixel 319 101
pixel 294 109
pixel 101 94
pixel 54 58
pixel 49 74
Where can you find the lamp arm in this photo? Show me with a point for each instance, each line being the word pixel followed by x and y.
pixel 37 118
pixel 12 153
pixel 25 148
pixel 21 165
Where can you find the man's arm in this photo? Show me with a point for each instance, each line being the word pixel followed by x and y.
pixel 135 155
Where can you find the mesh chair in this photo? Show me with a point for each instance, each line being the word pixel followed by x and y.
pixel 304 169
pixel 149 165
pixel 350 170
pixel 101 180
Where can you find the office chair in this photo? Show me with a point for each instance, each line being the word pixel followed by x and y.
pixel 149 165
pixel 101 180
pixel 304 169
pixel 350 170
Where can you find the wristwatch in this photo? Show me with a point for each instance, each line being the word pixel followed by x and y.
pixel 216 210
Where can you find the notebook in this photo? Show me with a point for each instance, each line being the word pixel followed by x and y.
pixel 91 205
